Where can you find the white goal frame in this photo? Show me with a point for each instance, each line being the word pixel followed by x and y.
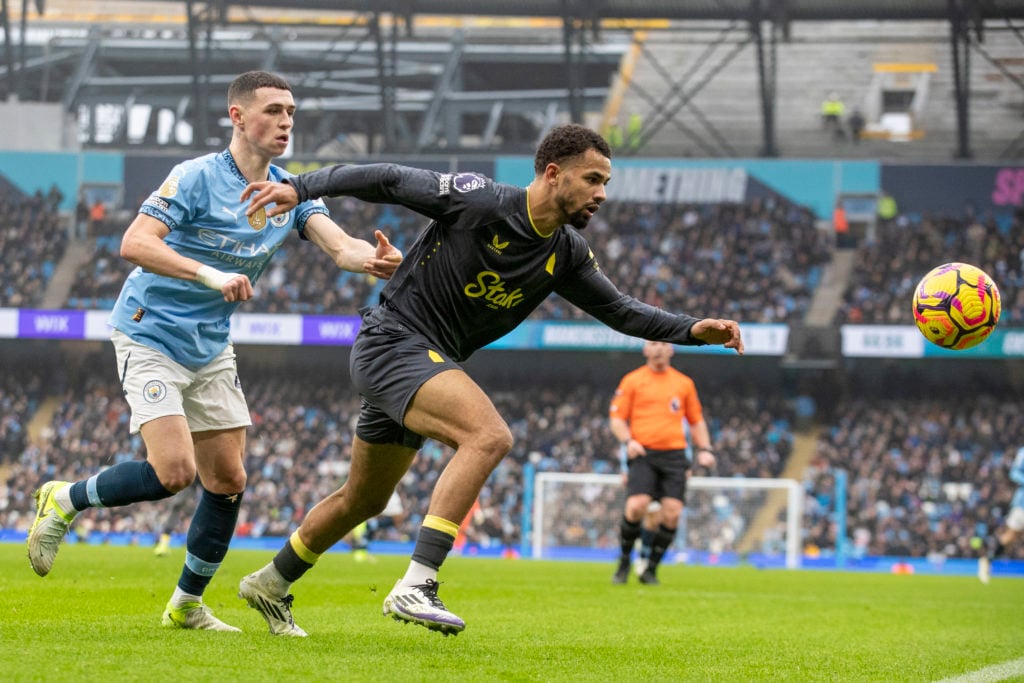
pixel 793 489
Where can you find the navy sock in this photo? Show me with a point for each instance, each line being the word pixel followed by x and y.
pixel 209 535
pixel 646 539
pixel 123 484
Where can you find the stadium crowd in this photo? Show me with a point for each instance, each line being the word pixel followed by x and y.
pixel 925 476
pixel 301 434
pixel 925 480
pixel 32 242
pixel 889 267
pixel 758 261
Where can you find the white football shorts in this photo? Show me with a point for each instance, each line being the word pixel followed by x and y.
pixel 394 507
pixel 1015 520
pixel 156 386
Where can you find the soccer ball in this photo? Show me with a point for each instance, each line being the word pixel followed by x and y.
pixel 956 306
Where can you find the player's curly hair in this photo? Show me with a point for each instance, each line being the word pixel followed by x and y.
pixel 565 142
pixel 243 87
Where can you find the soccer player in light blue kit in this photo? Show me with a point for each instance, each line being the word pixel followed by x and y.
pixel 198 255
pixel 1013 525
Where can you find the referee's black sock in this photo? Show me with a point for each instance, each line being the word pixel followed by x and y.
pixel 629 531
pixel 663 538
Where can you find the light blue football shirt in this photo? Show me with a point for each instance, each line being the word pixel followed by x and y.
pixel 1017 477
pixel 199 202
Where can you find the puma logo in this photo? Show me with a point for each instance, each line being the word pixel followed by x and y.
pixel 233 214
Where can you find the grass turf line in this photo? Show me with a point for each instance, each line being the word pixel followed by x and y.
pixel 96 617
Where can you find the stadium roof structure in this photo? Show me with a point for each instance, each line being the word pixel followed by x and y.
pixel 436 91
pixel 693 10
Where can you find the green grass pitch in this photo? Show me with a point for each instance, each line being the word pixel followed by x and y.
pixel 97 618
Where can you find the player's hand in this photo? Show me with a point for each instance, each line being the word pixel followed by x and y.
pixel 234 286
pixel 719 332
pixel 238 288
pixel 387 258
pixel 282 195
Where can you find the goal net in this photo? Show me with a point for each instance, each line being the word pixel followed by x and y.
pixel 726 520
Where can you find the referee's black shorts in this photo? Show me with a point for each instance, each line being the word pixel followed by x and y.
pixel 389 363
pixel 659 474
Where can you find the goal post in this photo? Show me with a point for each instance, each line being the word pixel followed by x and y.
pixel 726 519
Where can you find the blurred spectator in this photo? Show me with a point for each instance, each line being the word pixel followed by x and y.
pixel 856 123
pixel 842 227
pixel 886 207
pixel 53 198
pixel 832 111
pixel 82 217
pixel 97 217
pixel 615 136
pixel 634 132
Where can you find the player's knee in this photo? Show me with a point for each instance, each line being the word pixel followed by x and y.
pixel 378 503
pixel 496 441
pixel 232 482
pixel 177 478
pixel 669 519
pixel 367 503
pixel 671 513
pixel 635 511
pixel 226 480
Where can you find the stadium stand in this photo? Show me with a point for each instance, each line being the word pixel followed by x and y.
pixel 710 106
pixel 32 242
pixel 925 476
pixel 888 268
pixel 758 261
pixel 301 434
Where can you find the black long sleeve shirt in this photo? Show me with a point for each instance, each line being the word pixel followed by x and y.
pixel 480 267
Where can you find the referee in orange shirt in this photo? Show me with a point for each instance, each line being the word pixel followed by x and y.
pixel 646 416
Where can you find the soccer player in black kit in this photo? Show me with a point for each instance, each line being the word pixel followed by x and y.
pixel 491 254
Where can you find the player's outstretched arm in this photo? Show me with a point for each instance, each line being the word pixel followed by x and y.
pixel 719 332
pixel 282 195
pixel 143 244
pixel 349 253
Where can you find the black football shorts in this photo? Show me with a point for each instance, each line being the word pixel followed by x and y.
pixel 388 364
pixel 659 474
